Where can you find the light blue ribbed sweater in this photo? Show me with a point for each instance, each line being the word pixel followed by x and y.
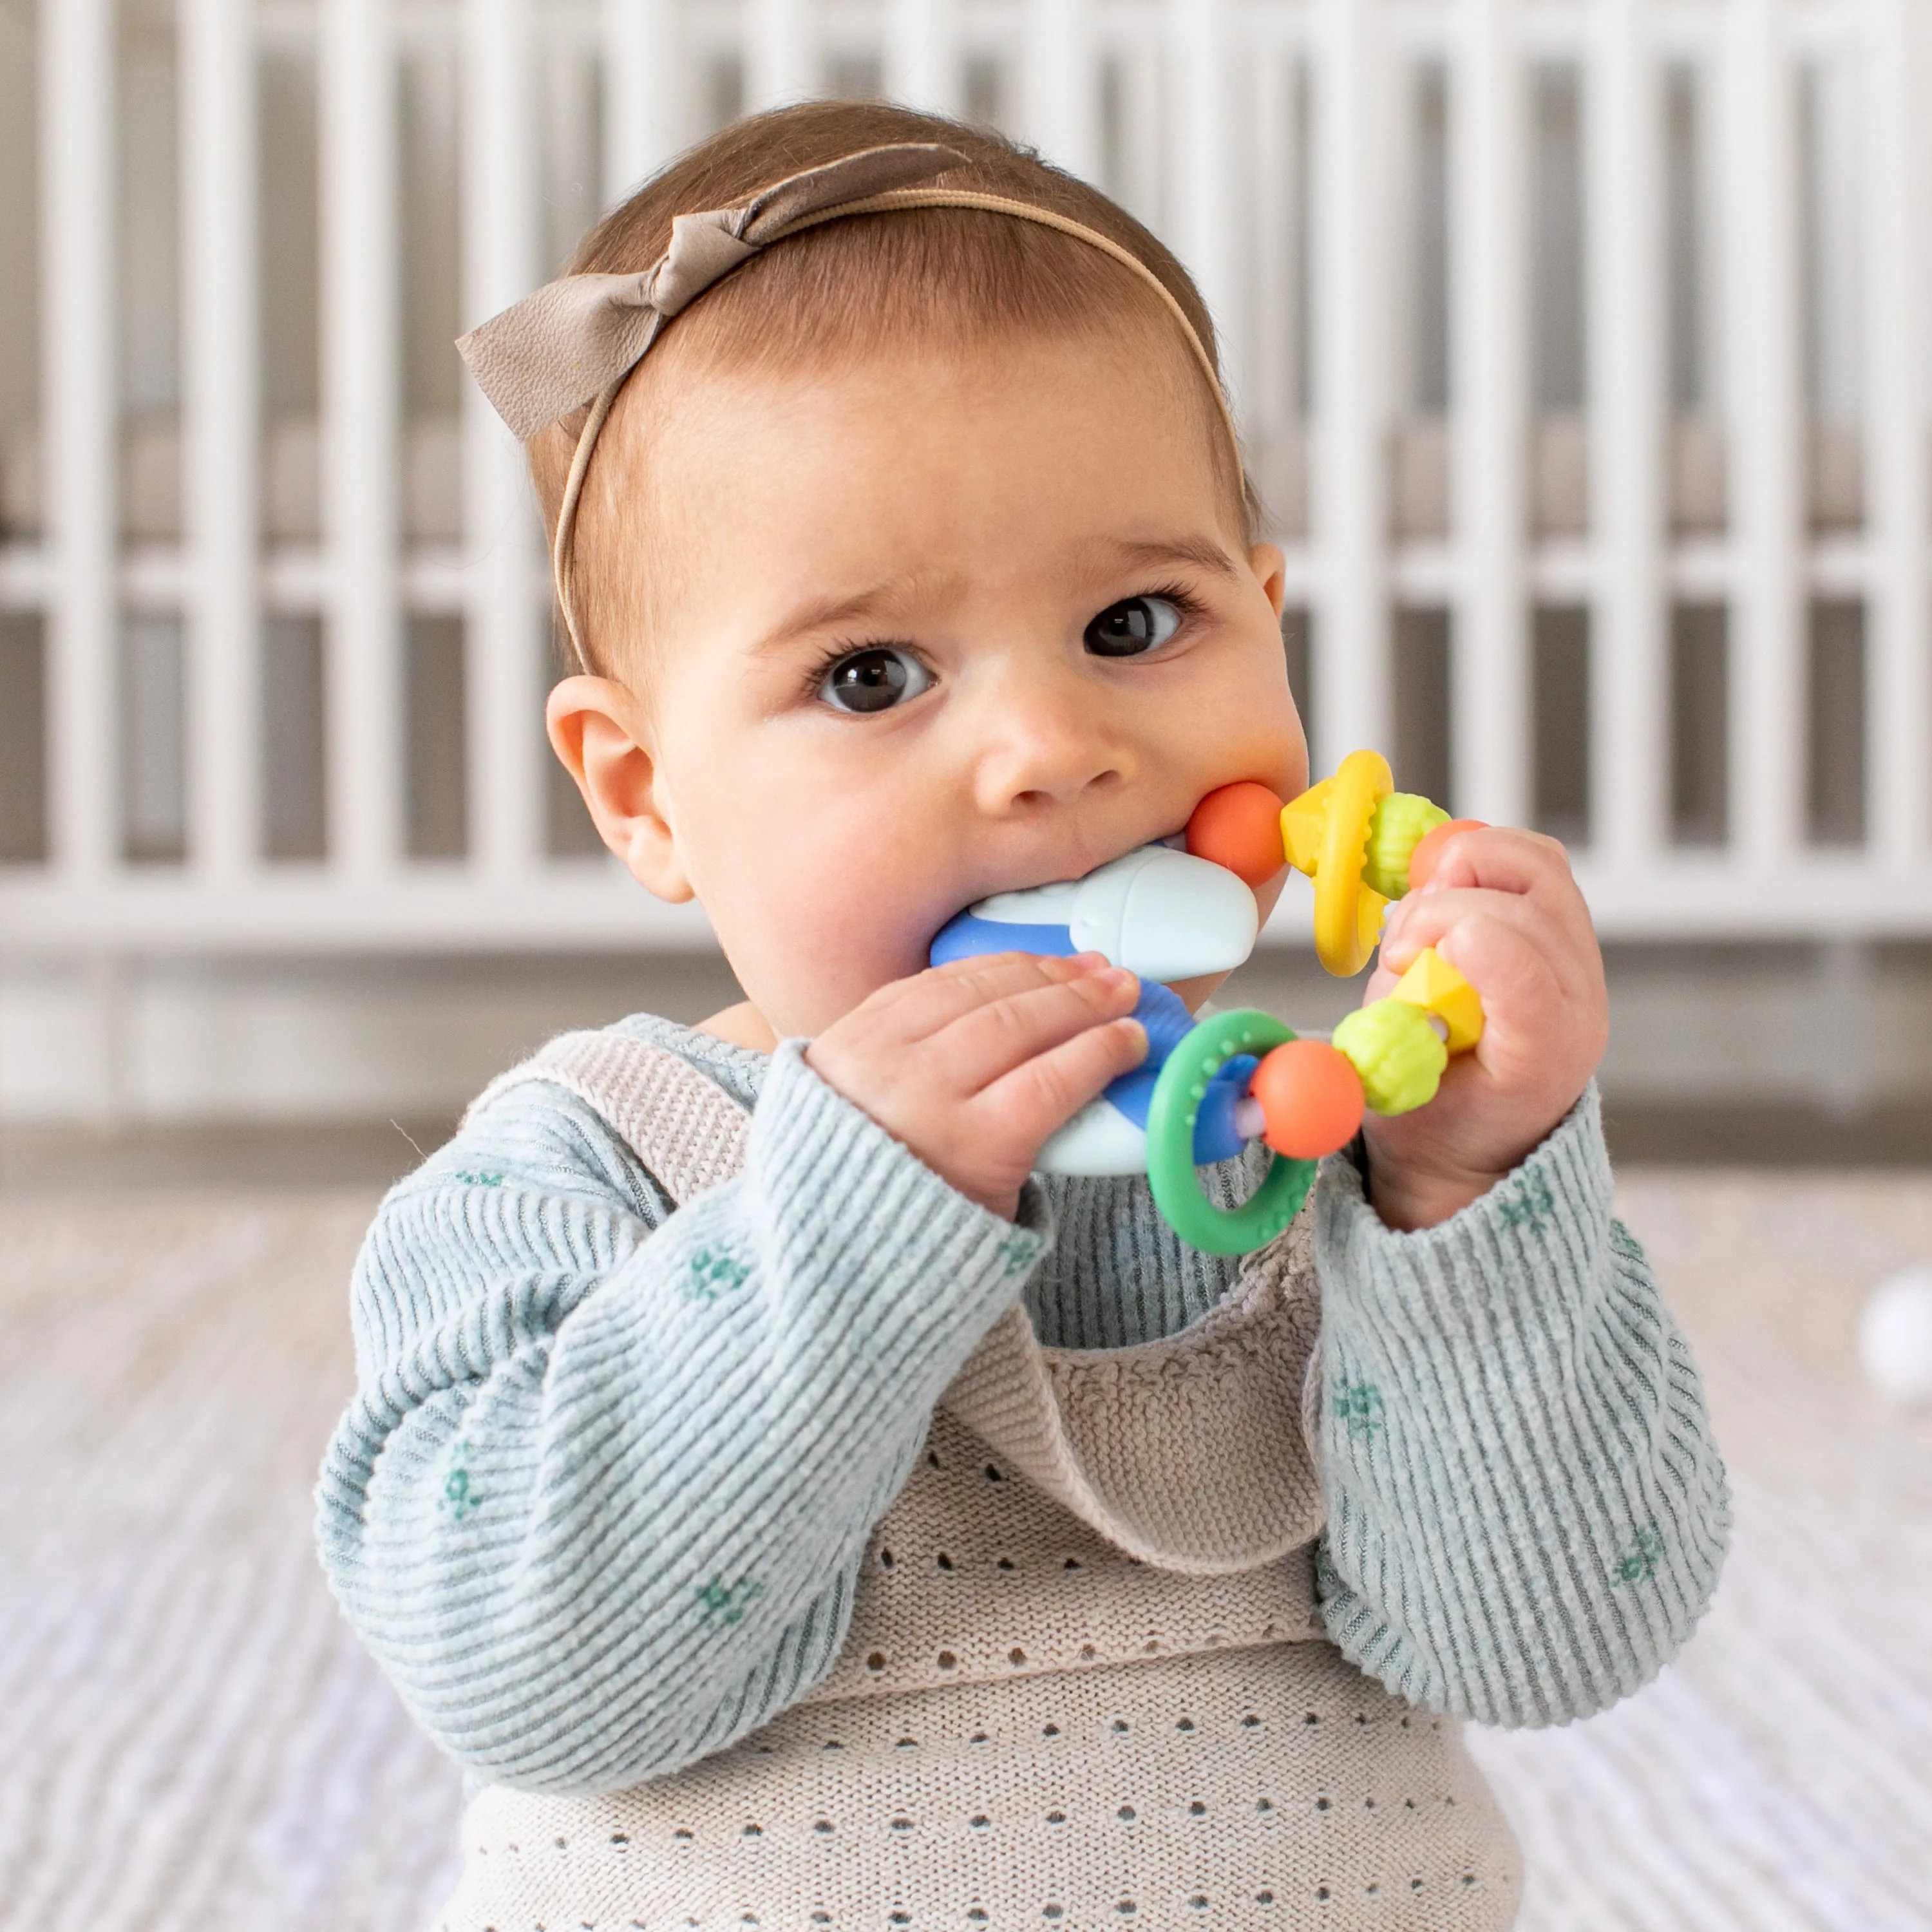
pixel 598 1505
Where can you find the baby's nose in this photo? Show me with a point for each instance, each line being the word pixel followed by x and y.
pixel 1052 746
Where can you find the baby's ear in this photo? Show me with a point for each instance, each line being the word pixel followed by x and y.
pixel 1270 570
pixel 597 727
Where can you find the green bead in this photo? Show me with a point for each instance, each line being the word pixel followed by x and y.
pixel 1397 1054
pixel 1400 823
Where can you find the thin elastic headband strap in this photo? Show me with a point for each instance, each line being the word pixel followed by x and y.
pixel 508 355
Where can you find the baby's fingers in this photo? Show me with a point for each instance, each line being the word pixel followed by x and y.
pixel 1419 922
pixel 931 1001
pixel 1501 858
pixel 1045 1092
pixel 1505 965
pixel 1537 1032
pixel 1526 867
pixel 1559 929
pixel 987 1042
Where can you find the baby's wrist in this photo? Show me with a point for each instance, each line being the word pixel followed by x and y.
pixel 1415 1180
pixel 1407 1198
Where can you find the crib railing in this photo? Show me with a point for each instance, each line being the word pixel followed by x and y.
pixel 1581 350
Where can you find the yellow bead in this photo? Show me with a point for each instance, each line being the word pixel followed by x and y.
pixel 1302 820
pixel 1435 985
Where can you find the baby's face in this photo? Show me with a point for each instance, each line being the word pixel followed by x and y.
pixel 940 628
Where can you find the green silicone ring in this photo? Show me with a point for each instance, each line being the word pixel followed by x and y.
pixel 1178 1095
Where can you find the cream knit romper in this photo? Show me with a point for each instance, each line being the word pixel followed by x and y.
pixel 1085 1683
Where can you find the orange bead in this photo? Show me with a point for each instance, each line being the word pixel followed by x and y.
pixel 1311 1099
pixel 1239 827
pixel 1428 851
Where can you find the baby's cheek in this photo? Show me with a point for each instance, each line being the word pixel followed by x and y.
pixel 817 945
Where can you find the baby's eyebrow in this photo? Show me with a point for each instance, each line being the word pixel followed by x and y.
pixel 825 613
pixel 1202 552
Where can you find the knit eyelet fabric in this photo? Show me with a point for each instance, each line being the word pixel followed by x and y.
pixel 1269 1787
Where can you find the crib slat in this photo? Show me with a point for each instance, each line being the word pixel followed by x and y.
pixel 504 581
pixel 360 334
pixel 1490 701
pixel 1631 720
pixel 223 424
pixel 1899 722
pixel 1208 200
pixel 1762 390
pixel 781 52
pixel 643 86
pixel 1350 310
pixel 1060 91
pixel 922 55
pixel 77 223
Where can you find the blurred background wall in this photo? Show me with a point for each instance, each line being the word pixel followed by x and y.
pixel 1581 346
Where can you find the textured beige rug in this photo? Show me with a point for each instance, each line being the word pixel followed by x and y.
pixel 191 1739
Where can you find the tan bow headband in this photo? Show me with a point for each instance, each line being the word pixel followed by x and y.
pixel 576 340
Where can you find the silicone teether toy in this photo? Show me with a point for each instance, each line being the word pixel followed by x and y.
pixel 1161 914
pixel 1354 835
pixel 1205 1092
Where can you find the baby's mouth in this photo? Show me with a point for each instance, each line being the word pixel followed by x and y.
pixel 1163 914
pixel 1072 868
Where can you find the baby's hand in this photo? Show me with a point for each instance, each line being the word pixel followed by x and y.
pixel 973 1064
pixel 1502 908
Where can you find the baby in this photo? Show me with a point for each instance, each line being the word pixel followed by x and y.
pixel 788 1506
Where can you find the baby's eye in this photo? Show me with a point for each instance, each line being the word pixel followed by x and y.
pixel 1132 626
pixel 873 680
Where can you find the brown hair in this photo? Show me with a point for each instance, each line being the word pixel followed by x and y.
pixel 850 285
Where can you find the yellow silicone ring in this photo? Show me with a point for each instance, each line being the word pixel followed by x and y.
pixel 1348 914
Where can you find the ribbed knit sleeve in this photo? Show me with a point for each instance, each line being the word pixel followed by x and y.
pixel 598 1503
pixel 1527 1514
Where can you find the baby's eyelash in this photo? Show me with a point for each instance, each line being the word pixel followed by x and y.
pixel 1184 600
pixel 820 668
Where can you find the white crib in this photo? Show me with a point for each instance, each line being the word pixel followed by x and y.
pixel 1581 346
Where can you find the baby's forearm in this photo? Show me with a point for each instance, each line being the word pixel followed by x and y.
pixel 597 1505
pixel 1527 1512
